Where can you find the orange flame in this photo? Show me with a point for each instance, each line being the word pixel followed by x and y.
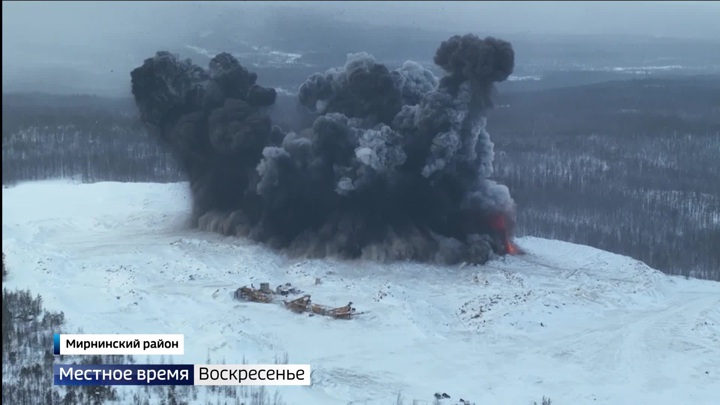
pixel 499 223
pixel 511 248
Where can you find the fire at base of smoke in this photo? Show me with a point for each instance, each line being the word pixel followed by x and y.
pixel 395 165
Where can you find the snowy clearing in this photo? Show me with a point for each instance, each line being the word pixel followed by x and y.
pixel 570 322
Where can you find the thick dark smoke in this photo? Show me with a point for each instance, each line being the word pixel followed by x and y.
pixel 395 166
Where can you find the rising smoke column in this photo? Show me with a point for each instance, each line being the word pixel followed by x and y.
pixel 395 166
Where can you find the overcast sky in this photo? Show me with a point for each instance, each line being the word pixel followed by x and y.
pixel 670 18
pixel 109 35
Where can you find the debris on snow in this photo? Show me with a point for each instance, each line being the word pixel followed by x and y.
pixel 345 312
pixel 286 290
pixel 252 294
pixel 298 305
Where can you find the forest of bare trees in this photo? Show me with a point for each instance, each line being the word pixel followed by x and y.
pixel 631 167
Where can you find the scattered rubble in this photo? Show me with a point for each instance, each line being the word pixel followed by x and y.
pixel 299 305
pixel 286 290
pixel 251 294
pixel 345 312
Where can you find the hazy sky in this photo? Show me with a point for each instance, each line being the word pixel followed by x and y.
pixel 670 18
pixel 108 36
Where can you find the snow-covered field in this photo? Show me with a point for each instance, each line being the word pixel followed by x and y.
pixel 576 324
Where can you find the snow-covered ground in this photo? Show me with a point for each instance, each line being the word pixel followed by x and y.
pixel 576 324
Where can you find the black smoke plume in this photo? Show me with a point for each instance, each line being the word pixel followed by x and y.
pixel 395 166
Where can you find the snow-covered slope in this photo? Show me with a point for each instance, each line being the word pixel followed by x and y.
pixel 577 324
